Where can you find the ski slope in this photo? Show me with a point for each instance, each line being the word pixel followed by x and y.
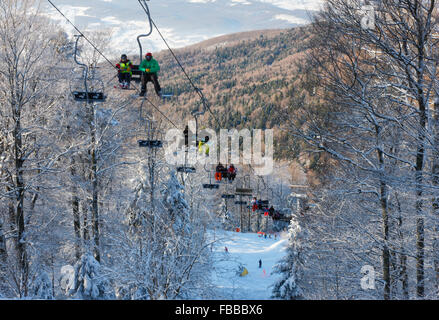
pixel 245 249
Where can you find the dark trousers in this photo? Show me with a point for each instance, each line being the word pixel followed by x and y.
pixel 124 77
pixel 151 77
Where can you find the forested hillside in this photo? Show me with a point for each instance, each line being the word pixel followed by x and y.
pixel 93 205
pixel 247 78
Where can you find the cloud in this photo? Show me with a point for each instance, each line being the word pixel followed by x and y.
pixel 295 4
pixel 182 22
pixel 291 19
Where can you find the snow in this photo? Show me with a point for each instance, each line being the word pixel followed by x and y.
pixel 245 249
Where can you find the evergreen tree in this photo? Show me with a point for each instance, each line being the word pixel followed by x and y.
pixel 41 288
pixel 289 267
pixel 175 203
pixel 90 283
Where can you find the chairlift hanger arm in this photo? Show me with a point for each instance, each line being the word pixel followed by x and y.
pixel 82 65
pixel 146 9
pixel 79 31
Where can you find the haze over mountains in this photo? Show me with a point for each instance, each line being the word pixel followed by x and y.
pixel 182 22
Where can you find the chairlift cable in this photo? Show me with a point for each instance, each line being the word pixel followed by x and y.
pixel 100 52
pixel 197 90
pixel 82 34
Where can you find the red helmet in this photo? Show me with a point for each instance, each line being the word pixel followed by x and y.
pixel 149 54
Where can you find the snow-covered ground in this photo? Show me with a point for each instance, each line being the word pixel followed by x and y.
pixel 245 249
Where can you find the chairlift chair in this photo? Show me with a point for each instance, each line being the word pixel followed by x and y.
pixel 210 185
pixel 86 88
pixel 245 192
pixel 94 92
pixel 150 143
pixel 186 169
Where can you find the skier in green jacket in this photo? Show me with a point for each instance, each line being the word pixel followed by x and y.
pixel 149 68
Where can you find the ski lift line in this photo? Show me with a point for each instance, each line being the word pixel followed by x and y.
pixel 169 120
pixel 197 90
pixel 82 34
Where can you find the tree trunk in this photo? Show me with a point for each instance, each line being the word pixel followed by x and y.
pixel 75 211
pixel 19 201
pixel 435 200
pixel 384 215
pixel 385 253
pixel 420 237
pixel 95 185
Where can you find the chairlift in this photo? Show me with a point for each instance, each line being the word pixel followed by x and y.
pixel 210 186
pixel 86 88
pixel 228 195
pixel 150 142
pixel 186 169
pixel 245 192
pixel 263 204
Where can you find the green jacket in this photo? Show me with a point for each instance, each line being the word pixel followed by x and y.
pixel 152 65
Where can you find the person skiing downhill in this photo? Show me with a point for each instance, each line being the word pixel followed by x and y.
pixel 150 67
pixel 124 72
pixel 260 263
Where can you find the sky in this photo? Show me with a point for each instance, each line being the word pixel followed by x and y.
pixel 182 22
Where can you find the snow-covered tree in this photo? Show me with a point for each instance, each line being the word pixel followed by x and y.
pixel 175 203
pixel 290 266
pixel 90 281
pixel 41 288
pixel 29 134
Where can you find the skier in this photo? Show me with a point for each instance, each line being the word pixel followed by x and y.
pixel 231 172
pixel 271 211
pixel 203 145
pixel 149 68
pixel 186 136
pixel 219 172
pixel 124 72
pixel 260 263
pixel 254 204
pixel 227 250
